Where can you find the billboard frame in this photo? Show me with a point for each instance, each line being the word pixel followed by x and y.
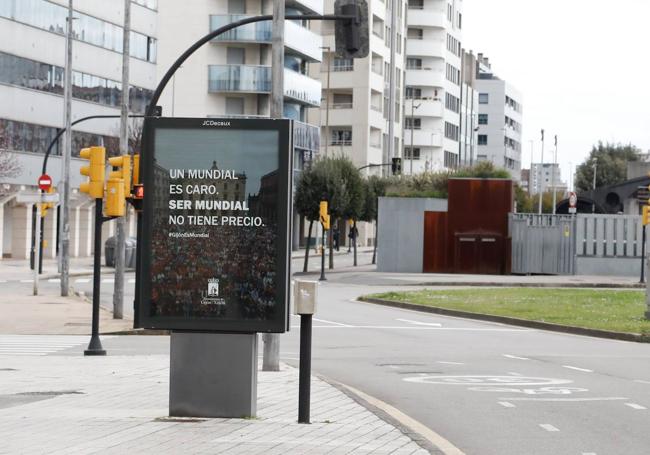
pixel 280 323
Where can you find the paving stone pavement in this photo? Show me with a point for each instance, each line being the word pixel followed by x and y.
pixel 115 405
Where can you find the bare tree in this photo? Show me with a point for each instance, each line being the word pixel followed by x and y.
pixel 9 164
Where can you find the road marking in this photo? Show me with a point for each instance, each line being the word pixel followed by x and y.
pixel 340 324
pixel 108 280
pixel 578 368
pixel 642 381
pixel 548 427
pixel 565 399
pixel 131 280
pixel 39 345
pixel 635 406
pixel 588 453
pixel 82 280
pixel 514 374
pixel 3 281
pixel 505 404
pixel 460 329
pixel 26 281
pixel 54 280
pixel 510 356
pixel 487 380
pixel 430 324
pixel 450 363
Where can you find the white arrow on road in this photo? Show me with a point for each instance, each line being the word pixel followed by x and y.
pixel 430 324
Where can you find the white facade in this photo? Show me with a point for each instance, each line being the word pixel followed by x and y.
pixel 433 85
pixel 500 120
pixel 358 92
pixel 550 174
pixel 32 57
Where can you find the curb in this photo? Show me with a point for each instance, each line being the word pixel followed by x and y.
pixel 635 337
pixel 499 284
pixel 426 438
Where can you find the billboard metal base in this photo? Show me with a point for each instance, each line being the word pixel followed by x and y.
pixel 213 375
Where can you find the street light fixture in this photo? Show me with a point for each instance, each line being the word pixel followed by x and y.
pixel 413 108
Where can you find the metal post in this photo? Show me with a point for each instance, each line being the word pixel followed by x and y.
pixel 553 176
pixel 304 380
pixel 271 356
pixel 322 259
pixel 593 206
pixel 413 108
pixel 64 237
pixel 118 283
pixel 95 345
pixel 38 242
pixel 327 98
pixel 391 81
pixel 541 180
pixel 643 258
pixel 647 294
pixel 530 174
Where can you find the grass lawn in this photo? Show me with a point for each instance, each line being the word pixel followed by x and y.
pixel 619 311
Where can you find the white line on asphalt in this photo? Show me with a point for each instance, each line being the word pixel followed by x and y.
pixel 642 381
pixel 510 356
pixel 26 281
pixel 505 404
pixel 565 399
pixel 54 280
pixel 578 369
pixel 588 453
pixel 466 329
pixel 450 363
pixel 512 373
pixel 3 281
pixel 131 280
pixel 635 406
pixel 332 322
pixel 82 280
pixel 548 427
pixel 430 324
pixel 108 280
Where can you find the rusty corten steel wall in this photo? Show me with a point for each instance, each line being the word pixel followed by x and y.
pixel 475 238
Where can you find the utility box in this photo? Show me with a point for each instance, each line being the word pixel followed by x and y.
pixel 304 297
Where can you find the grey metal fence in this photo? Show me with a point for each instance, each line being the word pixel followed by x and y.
pixel 576 244
pixel 543 244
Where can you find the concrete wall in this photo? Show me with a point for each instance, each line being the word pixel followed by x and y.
pixel 401 232
pixel 608 266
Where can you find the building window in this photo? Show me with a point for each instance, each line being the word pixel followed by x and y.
pixel 451 131
pixel 452 103
pixel 416 4
pixel 482 119
pixel 237 6
pixel 413 123
pixel 234 106
pixel 413 93
pixel 482 139
pixel 377 27
pixel 52 18
pixel 415 33
pixel 453 45
pixel 413 63
pixel 343 64
pixel 451 160
pixel 453 74
pixel 416 153
pixel 483 98
pixel 341 137
pixel 342 101
pixel 235 56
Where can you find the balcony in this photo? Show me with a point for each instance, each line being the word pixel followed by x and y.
pixel 306 136
pixel 301 88
pixel 257 79
pixel 425 48
pixel 308 6
pixel 423 138
pixel 239 78
pixel 298 40
pixel 425 77
pixel 428 107
pixel 426 18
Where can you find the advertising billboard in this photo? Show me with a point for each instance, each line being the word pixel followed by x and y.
pixel 216 225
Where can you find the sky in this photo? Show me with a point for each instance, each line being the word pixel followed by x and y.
pixel 581 65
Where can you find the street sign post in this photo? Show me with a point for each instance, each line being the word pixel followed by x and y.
pixel 45 182
pixel 573 203
pixel 214 259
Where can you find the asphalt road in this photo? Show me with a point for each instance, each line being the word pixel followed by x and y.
pixel 487 388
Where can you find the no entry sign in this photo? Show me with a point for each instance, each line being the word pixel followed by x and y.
pixel 45 182
pixel 216 225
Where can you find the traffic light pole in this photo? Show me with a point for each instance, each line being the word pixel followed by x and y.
pixel 95 345
pixel 643 258
pixel 39 242
pixel 322 258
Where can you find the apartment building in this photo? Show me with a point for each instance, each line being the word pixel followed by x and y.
pixel 32 60
pixel 546 176
pixel 500 120
pixel 433 85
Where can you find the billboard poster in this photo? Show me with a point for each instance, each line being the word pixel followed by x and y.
pixel 216 225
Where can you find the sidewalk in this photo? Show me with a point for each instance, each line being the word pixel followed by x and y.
pixel 18 269
pixel 300 254
pixel 116 405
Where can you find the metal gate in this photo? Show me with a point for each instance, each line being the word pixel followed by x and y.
pixel 543 244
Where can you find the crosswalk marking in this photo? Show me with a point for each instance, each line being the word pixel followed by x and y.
pixel 39 345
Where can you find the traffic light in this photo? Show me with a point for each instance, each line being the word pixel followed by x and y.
pixel 118 186
pixel 352 35
pixel 646 215
pixel 324 216
pixel 45 206
pixel 136 170
pixel 396 166
pixel 121 171
pixel 96 171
